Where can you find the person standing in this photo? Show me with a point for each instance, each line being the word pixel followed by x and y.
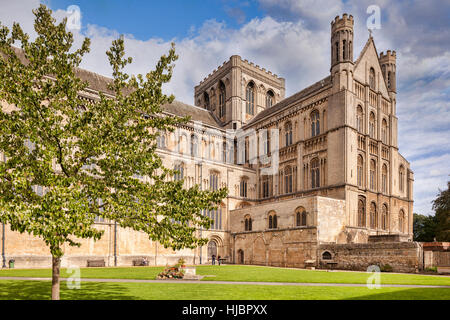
pixel 218 260
pixel 213 258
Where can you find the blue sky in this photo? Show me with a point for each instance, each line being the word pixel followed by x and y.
pixel 161 19
pixel 291 38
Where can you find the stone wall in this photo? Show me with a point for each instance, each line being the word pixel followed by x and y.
pixel 281 248
pixel 401 256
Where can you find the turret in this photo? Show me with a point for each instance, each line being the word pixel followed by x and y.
pixel 388 68
pixel 342 39
pixel 342 52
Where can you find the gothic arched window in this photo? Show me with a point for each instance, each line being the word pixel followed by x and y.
pixel 361 212
pixel 359 119
pixel 288 133
pixel 384 178
pixel 401 221
pixel 273 223
pixel 384 131
pixel 206 98
pixel 269 99
pixel 288 179
pixel 194 145
pixel 222 99
pixel 373 216
pixel 372 78
pixel 179 175
pixel 213 181
pixel 360 173
pixel 300 217
pixel 401 177
pixel 161 141
pixel 372 125
pixel 384 218
pixel 315 173
pixel 373 175
pixel 250 97
pixel 248 223
pixel 243 187
pixel 315 123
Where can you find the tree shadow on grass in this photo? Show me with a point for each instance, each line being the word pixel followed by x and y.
pixel 407 294
pixel 41 290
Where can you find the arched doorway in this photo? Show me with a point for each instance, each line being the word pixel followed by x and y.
pixel 212 249
pixel 240 256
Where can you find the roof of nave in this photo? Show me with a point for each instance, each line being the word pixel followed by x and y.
pixel 289 100
pixel 197 114
pixel 99 83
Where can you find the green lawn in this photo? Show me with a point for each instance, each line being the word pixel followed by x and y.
pixel 242 273
pixel 28 290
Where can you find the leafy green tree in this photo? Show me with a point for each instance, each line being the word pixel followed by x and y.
pixel 441 206
pixel 87 157
pixel 424 227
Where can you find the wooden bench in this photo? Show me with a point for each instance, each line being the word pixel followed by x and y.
pixel 222 260
pixel 96 263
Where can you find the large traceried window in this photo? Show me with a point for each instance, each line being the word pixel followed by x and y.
pixel 360 119
pixel 214 181
pixel 288 134
pixel 315 123
pixel 250 97
pixel 179 175
pixel 222 100
pixel 315 173
pixel 288 179
pixel 372 78
pixel 269 99
pixel 216 216
pixel 161 140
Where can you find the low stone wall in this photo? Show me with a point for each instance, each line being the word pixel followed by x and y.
pixel 401 256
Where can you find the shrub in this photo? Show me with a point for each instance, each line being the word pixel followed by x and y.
pixel 431 269
pixel 386 268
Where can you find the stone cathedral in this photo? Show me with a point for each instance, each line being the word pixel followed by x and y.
pixel 341 194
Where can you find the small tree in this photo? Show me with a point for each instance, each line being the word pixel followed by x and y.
pixel 441 206
pixel 87 157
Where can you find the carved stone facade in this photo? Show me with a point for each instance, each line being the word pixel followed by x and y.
pixel 339 176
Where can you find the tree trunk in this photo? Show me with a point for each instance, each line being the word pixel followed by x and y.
pixel 56 264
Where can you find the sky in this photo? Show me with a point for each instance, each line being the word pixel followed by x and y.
pixel 291 38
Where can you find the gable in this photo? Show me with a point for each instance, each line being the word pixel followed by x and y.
pixel 366 60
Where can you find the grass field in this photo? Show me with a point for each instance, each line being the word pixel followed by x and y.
pixel 241 273
pixel 30 290
pixel 23 289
